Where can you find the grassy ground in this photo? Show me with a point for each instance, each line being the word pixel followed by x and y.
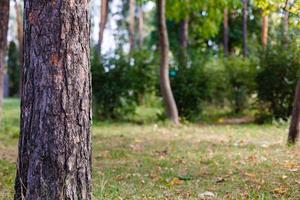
pixel 159 161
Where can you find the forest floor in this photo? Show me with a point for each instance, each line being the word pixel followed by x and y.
pixel 160 161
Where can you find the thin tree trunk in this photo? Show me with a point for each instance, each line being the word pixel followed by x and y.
pixel 166 90
pixel 140 26
pixel 54 160
pixel 4 16
pixel 20 41
pixel 264 31
pixel 226 32
pixel 245 31
pixel 131 23
pixel 103 21
pixel 184 38
pixel 295 121
pixel 286 25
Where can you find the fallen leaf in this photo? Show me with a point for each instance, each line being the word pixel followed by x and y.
pixel 252 175
pixel 280 190
pixel 206 195
pixel 176 181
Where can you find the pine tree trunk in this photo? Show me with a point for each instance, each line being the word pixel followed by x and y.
pixel 54 160
pixel 20 41
pixel 140 26
pixel 4 16
pixel 165 85
pixel 103 21
pixel 264 31
pixel 226 32
pixel 131 23
pixel 245 31
pixel 295 121
pixel 184 38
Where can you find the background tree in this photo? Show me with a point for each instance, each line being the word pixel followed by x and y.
pixel 54 159
pixel 13 69
pixel 103 20
pixel 245 29
pixel 170 104
pixel 4 15
pixel 131 23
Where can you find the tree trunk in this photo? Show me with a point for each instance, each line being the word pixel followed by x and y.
pixel 245 17
pixel 4 16
pixel 286 26
pixel 295 121
pixel 54 160
pixel 226 32
pixel 140 26
pixel 131 23
pixel 165 85
pixel 264 31
pixel 184 38
pixel 103 21
pixel 20 41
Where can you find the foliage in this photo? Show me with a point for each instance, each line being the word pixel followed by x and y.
pixel 13 67
pixel 277 77
pixel 121 82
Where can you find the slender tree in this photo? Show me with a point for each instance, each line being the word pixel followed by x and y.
pixel 264 30
pixel 165 85
pixel 286 23
pixel 183 41
pixel 131 23
pixel 4 16
pixel 295 121
pixel 54 160
pixel 103 20
pixel 245 31
pixel 19 20
pixel 140 25
pixel 225 31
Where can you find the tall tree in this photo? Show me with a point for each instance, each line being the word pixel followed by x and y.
pixel 131 23
pixel 183 40
pixel 264 30
pixel 140 25
pixel 225 31
pixel 54 160
pixel 295 121
pixel 19 20
pixel 103 20
pixel 4 16
pixel 245 31
pixel 165 85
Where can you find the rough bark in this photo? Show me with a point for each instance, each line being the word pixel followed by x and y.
pixel 264 30
pixel 19 20
pixel 225 32
pixel 103 21
pixel 295 121
pixel 54 160
pixel 245 31
pixel 4 16
pixel 140 26
pixel 131 23
pixel 165 85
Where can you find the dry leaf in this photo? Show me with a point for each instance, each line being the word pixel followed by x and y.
pixel 176 181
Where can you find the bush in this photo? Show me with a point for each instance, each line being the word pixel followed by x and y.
pixel 120 82
pixel 277 78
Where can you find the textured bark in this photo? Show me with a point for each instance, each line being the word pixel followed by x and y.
pixel 183 41
pixel 165 85
pixel 295 121
pixel 103 21
pixel 54 160
pixel 264 30
pixel 245 31
pixel 131 23
pixel 225 32
pixel 140 26
pixel 4 15
pixel 20 40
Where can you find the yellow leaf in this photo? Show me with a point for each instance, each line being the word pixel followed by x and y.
pixel 176 181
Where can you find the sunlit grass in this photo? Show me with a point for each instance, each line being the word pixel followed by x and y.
pixel 159 161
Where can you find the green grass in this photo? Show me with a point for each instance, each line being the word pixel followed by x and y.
pixel 160 161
